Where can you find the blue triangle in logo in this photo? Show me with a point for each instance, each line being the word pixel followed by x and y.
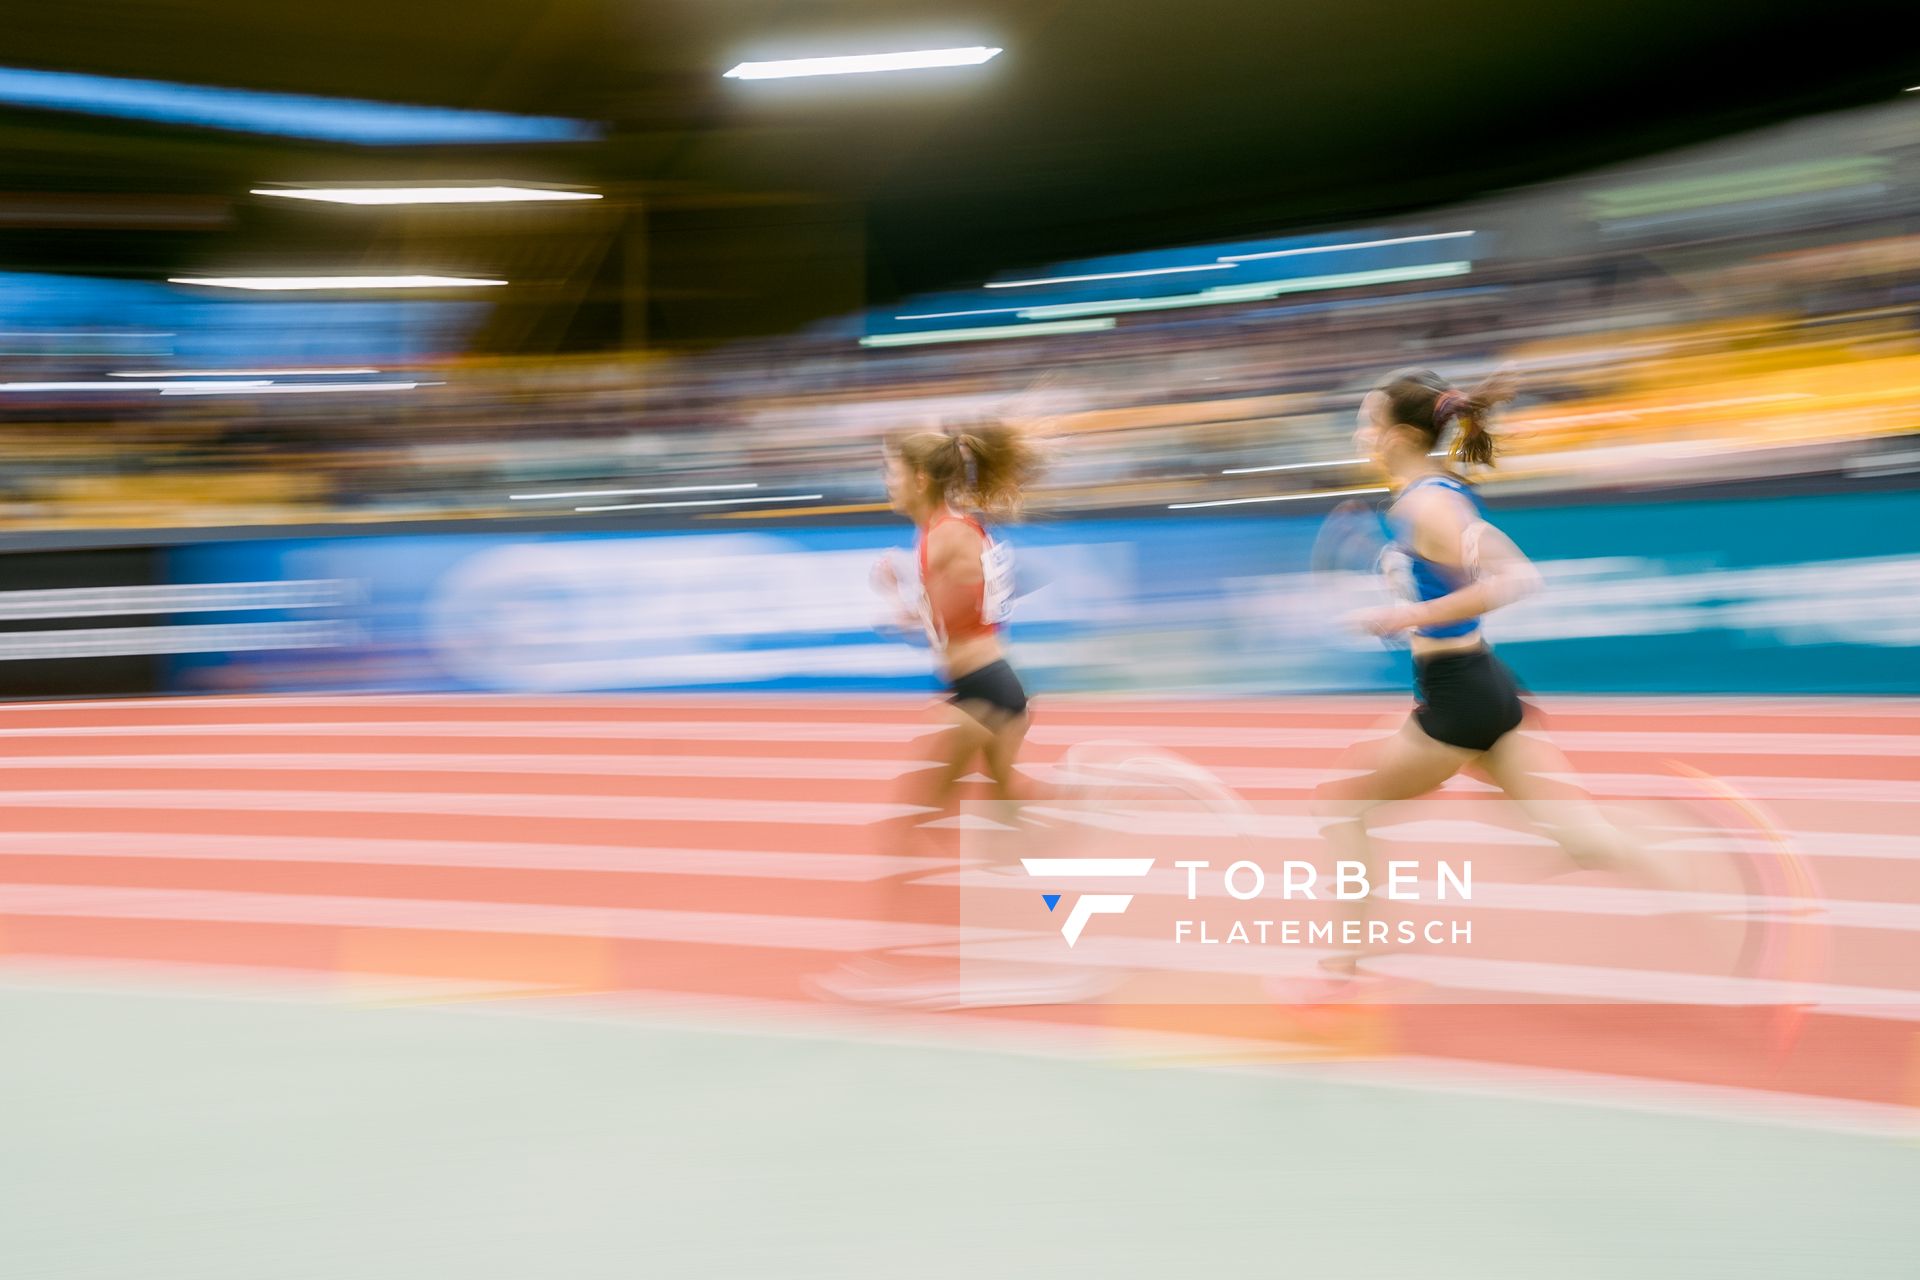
pixel 1051 899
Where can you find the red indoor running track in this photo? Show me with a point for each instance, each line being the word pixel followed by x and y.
pixel 730 847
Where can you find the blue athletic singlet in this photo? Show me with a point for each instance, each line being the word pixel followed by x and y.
pixel 1420 579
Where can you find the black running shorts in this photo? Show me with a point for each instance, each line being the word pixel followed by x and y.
pixel 1467 700
pixel 994 685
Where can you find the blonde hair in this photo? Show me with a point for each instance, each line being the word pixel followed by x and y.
pixel 986 465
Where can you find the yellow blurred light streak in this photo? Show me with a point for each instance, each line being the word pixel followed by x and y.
pixel 706 502
pixel 845 509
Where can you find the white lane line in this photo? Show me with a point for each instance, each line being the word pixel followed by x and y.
pixel 1509 978
pixel 638 860
pixel 1526 897
pixel 1646 786
pixel 1678 742
pixel 769 865
pixel 1497 977
pixel 558 702
pixel 707 928
pixel 827 768
pixel 1676 840
pixel 1630 706
pixel 374 730
pixel 461 804
pixel 1270 822
pixel 1116 816
pixel 812 768
pixel 1649 741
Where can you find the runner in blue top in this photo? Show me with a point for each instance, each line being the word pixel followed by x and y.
pixel 1451 568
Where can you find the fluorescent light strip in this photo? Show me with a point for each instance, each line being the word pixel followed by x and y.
pixel 1111 275
pixel 626 493
pixel 1221 296
pixel 294 389
pixel 709 502
pixel 1292 466
pixel 857 63
pixel 422 195
pixel 237 373
pixel 1337 248
pixel 291 115
pixel 1253 292
pixel 947 315
pixel 1386 275
pixel 1306 466
pixel 1276 497
pixel 121 386
pixel 987 334
pixel 289 283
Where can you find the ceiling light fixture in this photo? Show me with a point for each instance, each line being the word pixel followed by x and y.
pixel 989 333
pixel 1355 244
pixel 1277 497
pixel 854 64
pixel 424 195
pixel 1111 275
pixel 237 373
pixel 278 284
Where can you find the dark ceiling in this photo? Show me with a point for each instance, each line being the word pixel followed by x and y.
pixel 1106 125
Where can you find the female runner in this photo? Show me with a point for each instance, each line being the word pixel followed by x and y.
pixel 944 481
pixel 1454 567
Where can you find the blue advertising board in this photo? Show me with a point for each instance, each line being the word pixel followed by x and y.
pixel 1804 594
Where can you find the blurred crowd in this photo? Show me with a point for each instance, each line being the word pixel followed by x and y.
pixel 1738 347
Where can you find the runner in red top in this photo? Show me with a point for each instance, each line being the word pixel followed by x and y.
pixel 938 480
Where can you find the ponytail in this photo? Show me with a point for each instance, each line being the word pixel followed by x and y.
pixel 983 465
pixel 1473 444
pixel 1003 459
pixel 1422 399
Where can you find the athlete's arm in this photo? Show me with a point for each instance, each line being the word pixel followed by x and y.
pixel 1449 531
pixel 954 576
pixel 886 582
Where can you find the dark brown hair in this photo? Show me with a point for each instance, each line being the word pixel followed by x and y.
pixel 983 465
pixel 1427 402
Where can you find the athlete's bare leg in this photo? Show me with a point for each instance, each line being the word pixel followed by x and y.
pixel 1524 765
pixel 948 753
pixel 1002 752
pixel 1407 765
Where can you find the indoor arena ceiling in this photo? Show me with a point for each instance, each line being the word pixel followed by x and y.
pixel 1105 125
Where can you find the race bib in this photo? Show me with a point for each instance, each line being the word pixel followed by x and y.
pixel 996 592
